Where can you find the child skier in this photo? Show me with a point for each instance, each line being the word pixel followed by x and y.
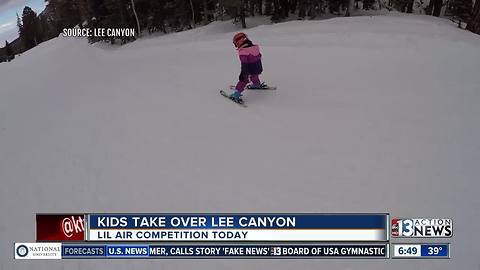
pixel 251 60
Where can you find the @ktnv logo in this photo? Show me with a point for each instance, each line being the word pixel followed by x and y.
pixel 73 225
pixel 422 227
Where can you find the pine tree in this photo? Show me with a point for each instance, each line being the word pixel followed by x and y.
pixel 47 28
pixel 406 5
pixel 434 8
pixel 368 4
pixel 312 8
pixel 334 6
pixel 117 16
pixel 205 13
pixel 156 17
pixel 251 7
pixel 349 4
pixel 260 7
pixel 302 9
pixel 68 13
pixel 30 28
pixel 9 55
pixel 236 10
pixel 83 12
pixel 21 31
pixel 268 7
pixel 474 24
pixel 242 14
pixel 461 10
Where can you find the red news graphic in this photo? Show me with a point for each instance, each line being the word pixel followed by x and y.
pixel 395 225
pixel 65 227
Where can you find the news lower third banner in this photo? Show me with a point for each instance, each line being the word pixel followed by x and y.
pixel 156 251
pixel 236 227
pixel 224 235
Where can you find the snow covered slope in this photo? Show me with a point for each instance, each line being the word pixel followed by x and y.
pixel 372 114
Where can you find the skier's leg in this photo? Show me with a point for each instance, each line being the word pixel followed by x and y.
pixel 255 80
pixel 242 83
pixel 256 84
pixel 241 86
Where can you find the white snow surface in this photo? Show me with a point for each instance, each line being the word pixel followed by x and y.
pixel 372 114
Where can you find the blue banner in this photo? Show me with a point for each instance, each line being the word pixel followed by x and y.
pixel 127 251
pixel 237 221
pixel 87 251
pixel 435 250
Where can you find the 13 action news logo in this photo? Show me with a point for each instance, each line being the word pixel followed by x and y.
pixel 422 227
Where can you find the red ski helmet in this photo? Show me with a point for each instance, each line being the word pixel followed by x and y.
pixel 239 38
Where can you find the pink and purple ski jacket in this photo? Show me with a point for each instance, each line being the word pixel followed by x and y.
pixel 251 60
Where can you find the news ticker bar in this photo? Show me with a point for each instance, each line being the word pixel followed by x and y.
pixel 412 251
pixel 156 251
pixel 213 227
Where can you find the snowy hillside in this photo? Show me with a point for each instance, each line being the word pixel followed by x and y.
pixel 372 114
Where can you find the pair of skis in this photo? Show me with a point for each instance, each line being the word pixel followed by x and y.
pixel 240 101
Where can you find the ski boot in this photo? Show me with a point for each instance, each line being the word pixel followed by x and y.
pixel 236 96
pixel 263 85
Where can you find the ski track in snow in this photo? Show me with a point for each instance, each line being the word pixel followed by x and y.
pixel 372 114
